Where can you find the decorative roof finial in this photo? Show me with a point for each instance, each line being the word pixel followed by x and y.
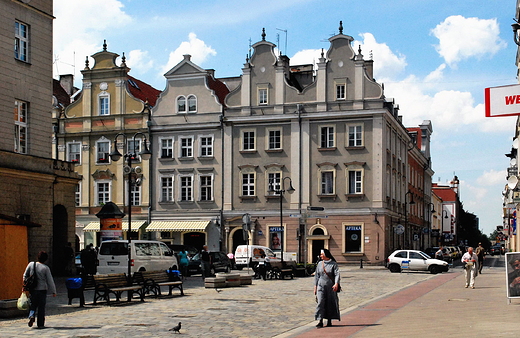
pixel 359 49
pixel 247 58
pixel 263 34
pixel 341 27
pixel 123 60
pixel 86 63
pixel 322 52
pixel 104 45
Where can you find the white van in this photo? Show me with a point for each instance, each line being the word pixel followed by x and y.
pixel 146 256
pixel 254 254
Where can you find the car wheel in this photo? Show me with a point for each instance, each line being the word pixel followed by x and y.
pixel 434 269
pixel 394 268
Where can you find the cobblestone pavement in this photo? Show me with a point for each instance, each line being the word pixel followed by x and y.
pixel 264 309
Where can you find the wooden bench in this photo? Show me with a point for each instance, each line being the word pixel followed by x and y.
pixel 287 272
pixel 115 284
pixel 151 281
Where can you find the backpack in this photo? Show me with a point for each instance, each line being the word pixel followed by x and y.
pixel 29 283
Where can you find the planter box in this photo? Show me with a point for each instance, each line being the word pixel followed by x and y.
pixel 8 309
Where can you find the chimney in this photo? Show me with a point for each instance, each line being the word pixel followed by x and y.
pixel 67 83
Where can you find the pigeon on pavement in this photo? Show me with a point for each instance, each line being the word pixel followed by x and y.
pixel 176 328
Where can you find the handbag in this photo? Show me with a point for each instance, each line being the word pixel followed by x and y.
pixel 332 279
pixel 23 302
pixel 29 283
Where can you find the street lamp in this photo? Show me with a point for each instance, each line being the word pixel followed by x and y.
pixel 130 155
pixel 280 191
pixel 445 215
pixel 406 212
pixel 431 210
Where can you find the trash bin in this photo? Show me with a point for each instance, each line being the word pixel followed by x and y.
pixel 75 290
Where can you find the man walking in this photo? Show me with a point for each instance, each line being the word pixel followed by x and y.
pixel 470 258
pixel 205 261
pixel 481 252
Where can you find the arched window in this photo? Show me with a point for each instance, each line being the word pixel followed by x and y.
pixel 181 104
pixel 192 104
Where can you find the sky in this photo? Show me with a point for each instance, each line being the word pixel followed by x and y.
pixel 434 57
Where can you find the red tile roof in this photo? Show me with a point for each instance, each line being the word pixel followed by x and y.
pixel 142 91
pixel 60 93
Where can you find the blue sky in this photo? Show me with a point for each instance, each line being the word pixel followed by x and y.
pixel 435 57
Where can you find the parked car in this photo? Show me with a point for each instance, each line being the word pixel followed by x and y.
pixel 496 249
pixel 192 251
pixel 415 260
pixel 219 263
pixel 455 252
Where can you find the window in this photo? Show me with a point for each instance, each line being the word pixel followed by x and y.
pixel 248 184
pixel 166 189
pixel 186 188
pixel 353 238
pixel 355 136
pixel 327 183
pixel 74 152
pixel 206 146
pixel 273 181
pixel 327 137
pixel 102 193
pixel 275 139
pixel 77 195
pixel 192 104
pixel 340 91
pixel 206 188
pixel 103 151
pixel 181 104
pixel 166 148
pixel 20 126
pixel 355 182
pixel 186 144
pixel 262 96
pixel 104 105
pixel 248 140
pixel 21 41
pixel 135 195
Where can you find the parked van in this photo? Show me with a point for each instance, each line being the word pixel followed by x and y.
pixel 146 256
pixel 254 254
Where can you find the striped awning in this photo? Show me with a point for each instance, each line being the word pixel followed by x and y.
pixel 178 226
pixel 94 226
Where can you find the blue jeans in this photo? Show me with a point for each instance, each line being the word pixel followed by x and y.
pixel 38 302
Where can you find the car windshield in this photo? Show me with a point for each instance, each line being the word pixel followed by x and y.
pixel 424 255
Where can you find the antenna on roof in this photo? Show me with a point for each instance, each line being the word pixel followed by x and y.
pixel 285 31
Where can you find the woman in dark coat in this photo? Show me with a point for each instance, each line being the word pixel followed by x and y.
pixel 326 286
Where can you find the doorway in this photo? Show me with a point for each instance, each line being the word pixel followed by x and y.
pixel 195 239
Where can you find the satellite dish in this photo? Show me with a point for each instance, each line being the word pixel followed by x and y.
pixel 138 170
pixel 512 182
pixel 127 170
pixel 513 162
pixel 515 143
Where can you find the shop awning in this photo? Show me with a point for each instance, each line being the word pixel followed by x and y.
pixel 94 226
pixel 178 226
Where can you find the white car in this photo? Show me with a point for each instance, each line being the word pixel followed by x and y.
pixel 415 260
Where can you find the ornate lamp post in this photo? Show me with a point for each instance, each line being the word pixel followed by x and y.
pixel 431 210
pixel 280 191
pixel 130 155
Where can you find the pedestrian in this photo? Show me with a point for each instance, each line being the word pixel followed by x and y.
pixel 183 262
pixel 68 259
pixel 88 258
pixel 43 283
pixel 205 261
pixel 439 254
pixel 326 288
pixel 481 253
pixel 471 267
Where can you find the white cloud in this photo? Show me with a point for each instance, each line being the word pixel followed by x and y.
pixel 492 177
pixel 139 61
pixel 387 64
pixel 306 56
pixel 461 38
pixel 197 48
pixel 78 30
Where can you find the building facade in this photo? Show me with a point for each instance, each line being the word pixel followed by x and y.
pixel 112 111
pixel 38 191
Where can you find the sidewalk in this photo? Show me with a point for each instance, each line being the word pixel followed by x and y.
pixel 438 307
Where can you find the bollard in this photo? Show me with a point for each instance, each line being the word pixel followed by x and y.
pixel 361 263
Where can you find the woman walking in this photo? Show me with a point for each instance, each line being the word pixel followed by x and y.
pixel 326 287
pixel 43 283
